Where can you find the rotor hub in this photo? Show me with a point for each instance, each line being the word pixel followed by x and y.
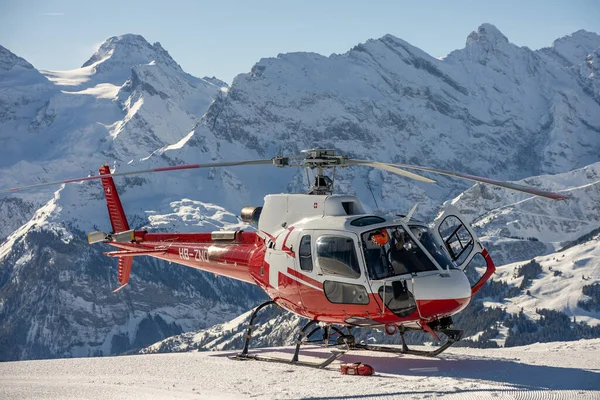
pixel 317 160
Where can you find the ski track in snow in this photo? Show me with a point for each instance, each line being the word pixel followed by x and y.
pixel 559 370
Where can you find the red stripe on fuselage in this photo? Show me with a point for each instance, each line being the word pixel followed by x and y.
pixel 440 308
pixel 286 249
pixel 305 278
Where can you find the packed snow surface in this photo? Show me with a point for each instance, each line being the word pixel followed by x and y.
pixel 549 371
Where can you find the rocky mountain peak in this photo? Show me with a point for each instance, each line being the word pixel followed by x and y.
pixel 119 53
pixel 583 37
pixel 9 60
pixel 486 33
pixel 574 48
pixel 216 81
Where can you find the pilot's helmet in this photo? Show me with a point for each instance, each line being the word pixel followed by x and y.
pixel 381 238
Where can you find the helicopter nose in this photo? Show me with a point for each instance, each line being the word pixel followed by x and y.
pixel 442 295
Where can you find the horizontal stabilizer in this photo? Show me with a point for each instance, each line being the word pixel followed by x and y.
pixel 123 237
pixel 96 237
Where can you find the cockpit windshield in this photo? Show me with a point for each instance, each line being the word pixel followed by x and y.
pixel 434 246
pixel 391 251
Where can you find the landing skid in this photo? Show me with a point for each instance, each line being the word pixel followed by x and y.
pixel 301 338
pixel 452 334
pixel 338 343
pixel 335 354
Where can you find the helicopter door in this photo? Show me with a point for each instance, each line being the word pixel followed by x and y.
pixel 340 268
pixel 460 239
pixel 330 262
pixel 305 270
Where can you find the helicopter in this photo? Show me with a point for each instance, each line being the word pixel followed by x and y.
pixel 321 256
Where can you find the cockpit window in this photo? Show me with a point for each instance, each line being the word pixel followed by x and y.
pixel 305 254
pixel 398 255
pixel 433 245
pixel 370 220
pixel 337 256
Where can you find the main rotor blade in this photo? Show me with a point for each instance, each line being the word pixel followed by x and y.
pixel 143 171
pixel 507 185
pixel 390 168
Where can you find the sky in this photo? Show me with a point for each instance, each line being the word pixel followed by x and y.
pixel 223 38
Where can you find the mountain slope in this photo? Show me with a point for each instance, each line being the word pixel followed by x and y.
pixel 492 109
pixel 55 297
pixel 515 226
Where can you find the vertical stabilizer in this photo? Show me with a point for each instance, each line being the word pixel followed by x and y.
pixel 115 209
pixel 124 271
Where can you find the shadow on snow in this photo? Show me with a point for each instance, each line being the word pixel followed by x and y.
pixel 519 377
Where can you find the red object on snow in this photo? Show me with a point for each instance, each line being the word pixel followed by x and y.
pixel 357 368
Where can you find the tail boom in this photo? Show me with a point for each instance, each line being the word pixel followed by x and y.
pixel 238 255
pixel 232 258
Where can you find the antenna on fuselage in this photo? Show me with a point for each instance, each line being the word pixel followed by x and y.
pixel 371 190
pixel 406 219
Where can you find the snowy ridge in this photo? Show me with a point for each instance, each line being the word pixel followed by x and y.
pixel 504 108
pixel 93 115
pixel 9 60
pixel 575 47
pixel 118 54
pixel 271 328
pixel 521 226
pixel 23 91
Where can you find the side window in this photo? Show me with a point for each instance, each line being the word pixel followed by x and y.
pixel 337 256
pixel 305 254
pixel 345 293
pixel 457 238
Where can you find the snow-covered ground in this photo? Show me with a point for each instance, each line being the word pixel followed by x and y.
pixel 541 371
pixel 559 286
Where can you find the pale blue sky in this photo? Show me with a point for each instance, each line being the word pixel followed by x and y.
pixel 226 37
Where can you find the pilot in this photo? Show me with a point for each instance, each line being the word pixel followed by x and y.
pixel 399 240
pixel 381 238
pixel 377 263
pixel 398 255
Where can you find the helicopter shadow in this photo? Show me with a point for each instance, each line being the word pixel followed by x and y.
pixel 518 375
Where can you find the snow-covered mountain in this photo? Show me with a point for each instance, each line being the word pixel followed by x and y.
pixel 491 108
pixel 515 226
pixel 54 289
pixel 23 91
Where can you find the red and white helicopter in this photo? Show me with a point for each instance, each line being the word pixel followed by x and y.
pixel 321 256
